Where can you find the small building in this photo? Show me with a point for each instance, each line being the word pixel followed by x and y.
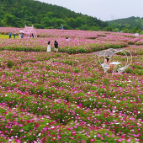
pixel 29 32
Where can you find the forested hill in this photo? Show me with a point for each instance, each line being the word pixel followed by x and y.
pixel 17 13
pixel 129 23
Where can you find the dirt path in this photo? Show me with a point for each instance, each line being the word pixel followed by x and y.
pixel 98 52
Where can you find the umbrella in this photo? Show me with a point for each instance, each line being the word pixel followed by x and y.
pixel 21 31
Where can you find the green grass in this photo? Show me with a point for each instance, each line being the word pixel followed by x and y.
pixel 7 37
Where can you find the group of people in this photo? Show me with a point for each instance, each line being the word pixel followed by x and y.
pixel 55 45
pixel 22 35
pixel 14 34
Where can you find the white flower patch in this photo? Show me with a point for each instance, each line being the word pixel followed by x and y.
pixel 39 134
pixel 117 123
pixel 138 124
pixel 52 127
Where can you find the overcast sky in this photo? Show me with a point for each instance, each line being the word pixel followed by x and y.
pixel 102 9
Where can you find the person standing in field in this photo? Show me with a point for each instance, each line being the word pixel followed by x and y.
pixel 67 39
pixel 56 46
pixel 32 35
pixel 9 35
pixel 49 47
pixel 14 35
pixel 20 35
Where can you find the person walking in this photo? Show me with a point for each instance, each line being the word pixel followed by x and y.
pixel 56 46
pixel 49 47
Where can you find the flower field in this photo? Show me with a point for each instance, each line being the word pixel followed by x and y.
pixel 62 98
pixel 79 41
pixel 74 46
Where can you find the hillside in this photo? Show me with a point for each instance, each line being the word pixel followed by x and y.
pixel 129 23
pixel 17 13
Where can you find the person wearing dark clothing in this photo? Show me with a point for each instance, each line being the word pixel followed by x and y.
pixel 56 46
pixel 32 35
pixel 108 58
pixel 14 35
pixel 22 35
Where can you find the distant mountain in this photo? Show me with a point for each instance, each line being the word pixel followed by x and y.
pixel 129 23
pixel 17 13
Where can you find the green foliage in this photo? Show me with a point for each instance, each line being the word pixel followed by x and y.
pixel 108 28
pixel 125 30
pixel 116 30
pixel 17 13
pixel 127 25
pixel 10 63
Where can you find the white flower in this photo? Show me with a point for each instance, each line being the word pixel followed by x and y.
pixel 117 123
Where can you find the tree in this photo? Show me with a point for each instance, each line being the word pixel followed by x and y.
pixel 116 30
pixel 45 22
pixel 108 28
pixel 78 21
pixel 9 20
pixel 84 27
pixel 20 12
pixel 71 22
pixel 94 28
pixel 125 30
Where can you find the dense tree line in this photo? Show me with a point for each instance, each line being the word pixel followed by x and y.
pixel 127 25
pixel 17 13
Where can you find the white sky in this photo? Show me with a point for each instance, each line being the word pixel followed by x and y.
pixel 102 9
